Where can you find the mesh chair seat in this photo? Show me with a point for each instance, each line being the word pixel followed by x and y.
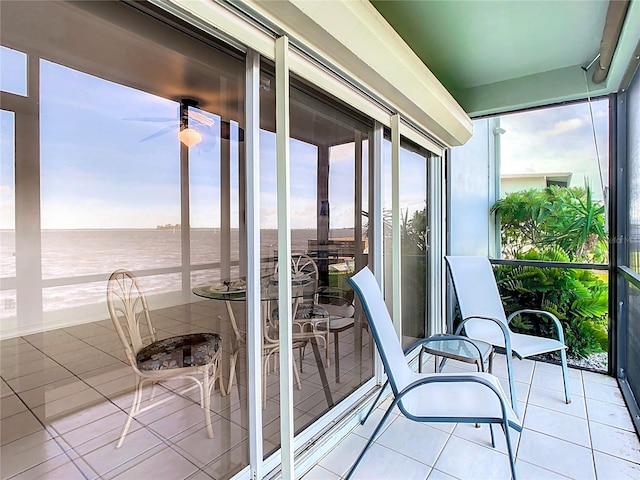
pixel 450 400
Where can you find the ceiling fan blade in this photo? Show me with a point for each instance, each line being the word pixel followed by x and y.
pixel 160 132
pixel 201 118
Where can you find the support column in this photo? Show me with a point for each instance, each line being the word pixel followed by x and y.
pixel 324 214
pixel 28 241
pixel 225 194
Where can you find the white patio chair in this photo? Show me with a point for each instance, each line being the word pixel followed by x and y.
pixel 474 397
pixel 483 317
pixel 341 317
pixel 307 311
pixel 270 349
pixel 194 356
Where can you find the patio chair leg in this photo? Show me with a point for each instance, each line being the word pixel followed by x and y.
pixel 265 366
pixel 375 402
pixel 326 345
pixel 507 437
pixel 135 406
pixel 565 375
pixel 443 362
pixel 296 376
pixel 493 438
pixel 371 439
pixel 207 400
pixel 301 352
pixel 512 386
pixel 232 371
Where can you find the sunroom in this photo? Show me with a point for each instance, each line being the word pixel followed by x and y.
pixel 203 146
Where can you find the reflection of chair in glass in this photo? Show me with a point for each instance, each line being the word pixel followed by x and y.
pixel 337 304
pixel 470 397
pixel 270 349
pixel 238 342
pixel 307 311
pixel 483 316
pixel 180 357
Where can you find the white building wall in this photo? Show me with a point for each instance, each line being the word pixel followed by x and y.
pixel 471 191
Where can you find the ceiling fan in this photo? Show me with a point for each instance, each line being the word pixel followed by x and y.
pixel 192 122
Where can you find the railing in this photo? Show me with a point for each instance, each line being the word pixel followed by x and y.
pixel 588 320
pixel 544 263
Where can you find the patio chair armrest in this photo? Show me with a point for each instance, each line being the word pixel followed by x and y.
pixel 550 315
pixel 444 378
pixel 505 330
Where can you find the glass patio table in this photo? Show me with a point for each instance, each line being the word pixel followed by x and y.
pixel 235 291
pixel 462 349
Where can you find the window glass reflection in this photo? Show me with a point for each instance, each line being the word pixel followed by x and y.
pixel 7 200
pixel 414 228
pixel 13 74
pixel 104 167
pixel 633 176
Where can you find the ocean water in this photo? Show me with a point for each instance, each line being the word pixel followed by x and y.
pixel 73 253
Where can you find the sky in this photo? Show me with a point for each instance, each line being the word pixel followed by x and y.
pixel 99 169
pixel 557 140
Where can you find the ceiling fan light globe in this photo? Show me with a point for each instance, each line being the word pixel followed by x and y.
pixel 189 137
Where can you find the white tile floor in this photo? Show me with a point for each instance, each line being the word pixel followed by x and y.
pixel 65 394
pixel 64 398
pixel 591 438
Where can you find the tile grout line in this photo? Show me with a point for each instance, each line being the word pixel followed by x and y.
pixel 586 412
pixel 54 438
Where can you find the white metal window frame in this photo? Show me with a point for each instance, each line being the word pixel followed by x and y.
pixel 221 22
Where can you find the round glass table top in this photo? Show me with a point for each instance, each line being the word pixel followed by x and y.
pixel 236 290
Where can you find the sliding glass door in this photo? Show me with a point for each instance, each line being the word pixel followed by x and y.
pixel 328 195
pixel 125 136
pixel 122 147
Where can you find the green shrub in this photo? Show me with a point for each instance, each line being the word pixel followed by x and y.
pixel 560 225
pixel 579 298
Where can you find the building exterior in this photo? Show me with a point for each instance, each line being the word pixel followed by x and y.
pixel 514 182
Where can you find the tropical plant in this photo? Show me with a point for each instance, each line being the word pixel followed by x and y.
pixel 579 298
pixel 415 230
pixel 560 225
pixel 413 235
pixel 555 216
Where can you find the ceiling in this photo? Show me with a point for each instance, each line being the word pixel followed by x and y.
pixel 496 56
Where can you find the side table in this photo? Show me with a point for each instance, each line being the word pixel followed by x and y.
pixel 458 348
